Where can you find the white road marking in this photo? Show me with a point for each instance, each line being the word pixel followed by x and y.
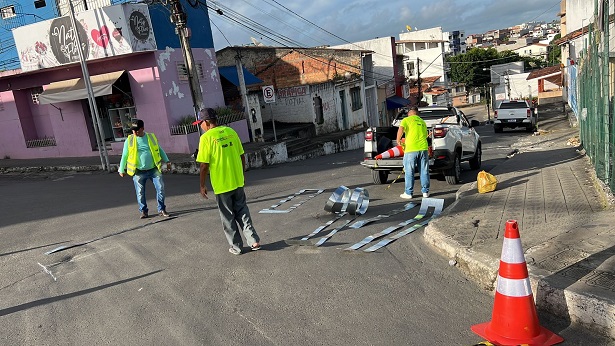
pixel 48 272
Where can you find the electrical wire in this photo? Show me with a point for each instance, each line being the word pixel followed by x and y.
pixel 296 44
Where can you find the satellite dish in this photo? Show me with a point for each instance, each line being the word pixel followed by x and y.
pixel 256 42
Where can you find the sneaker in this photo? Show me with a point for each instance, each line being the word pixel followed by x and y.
pixel 234 251
pixel 405 196
pixel 163 213
pixel 144 215
pixel 255 246
pixel 425 194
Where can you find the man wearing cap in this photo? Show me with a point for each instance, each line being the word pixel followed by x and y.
pixel 221 155
pixel 142 159
pixel 416 151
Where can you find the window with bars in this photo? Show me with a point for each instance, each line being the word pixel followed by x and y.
pixel 182 71
pixel 7 12
pixel 36 92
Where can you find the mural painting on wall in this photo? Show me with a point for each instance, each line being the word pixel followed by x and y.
pixel 101 31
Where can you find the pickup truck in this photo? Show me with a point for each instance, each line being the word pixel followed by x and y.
pixel 453 139
pixel 513 114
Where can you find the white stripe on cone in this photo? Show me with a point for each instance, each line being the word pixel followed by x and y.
pixel 514 287
pixel 393 152
pixel 512 251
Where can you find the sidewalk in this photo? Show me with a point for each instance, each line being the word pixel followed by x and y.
pixel 568 236
pixel 258 154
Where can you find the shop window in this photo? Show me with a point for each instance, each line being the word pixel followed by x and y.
pixel 182 71
pixel 36 92
pixel 355 97
pixel 7 12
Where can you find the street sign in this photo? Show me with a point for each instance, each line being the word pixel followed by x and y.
pixel 269 94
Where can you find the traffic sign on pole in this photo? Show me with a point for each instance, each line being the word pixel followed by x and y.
pixel 269 94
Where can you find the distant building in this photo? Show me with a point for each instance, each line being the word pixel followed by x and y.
pixel 423 52
pixel 388 78
pixel 331 89
pixel 456 42
pixel 474 40
pixel 535 50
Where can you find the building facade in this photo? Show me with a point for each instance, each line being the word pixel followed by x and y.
pixel 388 78
pixel 320 86
pixel 137 70
pixel 423 54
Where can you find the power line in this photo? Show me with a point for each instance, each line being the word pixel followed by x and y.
pixel 235 19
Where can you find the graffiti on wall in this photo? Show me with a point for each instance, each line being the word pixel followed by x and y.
pixel 292 92
pixel 117 30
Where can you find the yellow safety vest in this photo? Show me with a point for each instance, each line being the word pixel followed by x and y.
pixel 131 162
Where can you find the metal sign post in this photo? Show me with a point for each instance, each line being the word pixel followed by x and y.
pixel 269 96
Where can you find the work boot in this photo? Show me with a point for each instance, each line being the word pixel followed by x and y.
pixel 144 215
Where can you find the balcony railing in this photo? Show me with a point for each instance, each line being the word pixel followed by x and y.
pixel 41 142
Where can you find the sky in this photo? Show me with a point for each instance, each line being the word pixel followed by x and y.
pixel 333 22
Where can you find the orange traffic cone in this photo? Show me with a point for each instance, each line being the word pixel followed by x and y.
pixel 514 320
pixel 393 152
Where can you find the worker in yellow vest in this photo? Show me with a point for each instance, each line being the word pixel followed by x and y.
pixel 142 159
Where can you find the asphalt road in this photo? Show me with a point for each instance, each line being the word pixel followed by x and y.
pixel 128 281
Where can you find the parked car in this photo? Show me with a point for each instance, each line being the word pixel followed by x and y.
pixel 453 139
pixel 513 114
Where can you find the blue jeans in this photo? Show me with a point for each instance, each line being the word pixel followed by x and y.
pixel 140 178
pixel 411 161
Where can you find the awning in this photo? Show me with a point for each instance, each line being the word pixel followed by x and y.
pixel 74 89
pixel 230 73
pixel 395 101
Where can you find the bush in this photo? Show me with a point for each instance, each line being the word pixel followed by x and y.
pixel 186 120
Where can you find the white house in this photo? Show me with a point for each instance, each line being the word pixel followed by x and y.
pixel 423 51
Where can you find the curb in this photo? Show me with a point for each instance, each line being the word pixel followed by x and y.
pixel 596 314
pixel 266 156
pixel 480 267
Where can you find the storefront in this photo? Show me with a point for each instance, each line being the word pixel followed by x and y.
pixel 44 111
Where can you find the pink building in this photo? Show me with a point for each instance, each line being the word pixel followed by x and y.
pixel 44 111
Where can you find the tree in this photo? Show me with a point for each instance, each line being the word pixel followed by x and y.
pixel 555 51
pixel 469 68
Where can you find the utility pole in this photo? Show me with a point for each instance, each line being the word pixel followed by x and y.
pixel 488 101
pixel 244 95
pixel 508 84
pixel 178 17
pixel 98 129
pixel 418 81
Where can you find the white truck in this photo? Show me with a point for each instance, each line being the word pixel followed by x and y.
pixel 453 139
pixel 513 114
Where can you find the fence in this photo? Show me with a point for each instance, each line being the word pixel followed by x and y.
pixel 222 120
pixel 595 95
pixel 183 129
pixel 42 142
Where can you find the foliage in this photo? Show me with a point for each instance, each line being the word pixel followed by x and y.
pixel 555 51
pixel 469 68
pixel 472 67
pixel 224 112
pixel 186 120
